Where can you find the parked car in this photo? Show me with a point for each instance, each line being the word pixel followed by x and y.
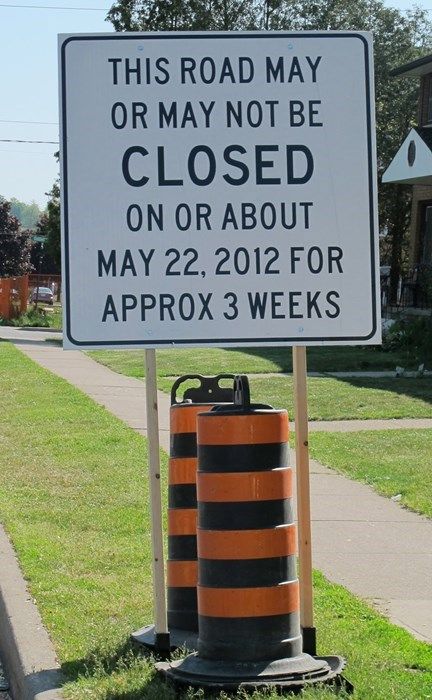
pixel 43 294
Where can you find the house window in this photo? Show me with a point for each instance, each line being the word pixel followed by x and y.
pixel 425 257
pixel 428 100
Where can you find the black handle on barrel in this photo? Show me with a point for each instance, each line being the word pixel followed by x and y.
pixel 209 390
pixel 241 391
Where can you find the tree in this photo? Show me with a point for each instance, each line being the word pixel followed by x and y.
pixel 398 38
pixel 49 226
pixel 15 244
pixel 157 15
pixel 27 214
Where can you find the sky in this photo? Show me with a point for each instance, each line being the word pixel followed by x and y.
pixel 29 89
pixel 29 95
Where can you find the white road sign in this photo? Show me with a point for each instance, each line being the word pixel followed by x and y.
pixel 218 189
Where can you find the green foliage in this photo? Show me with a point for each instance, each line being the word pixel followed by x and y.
pixel 33 318
pixel 49 226
pixel 15 244
pixel 27 214
pixel 398 38
pixel 412 336
pixel 158 15
pixel 424 281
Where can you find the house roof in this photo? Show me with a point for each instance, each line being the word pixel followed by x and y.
pixel 420 66
pixel 412 164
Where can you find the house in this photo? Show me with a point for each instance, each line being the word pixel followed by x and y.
pixel 412 165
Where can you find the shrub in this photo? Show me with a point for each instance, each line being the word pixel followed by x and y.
pixel 32 317
pixel 411 336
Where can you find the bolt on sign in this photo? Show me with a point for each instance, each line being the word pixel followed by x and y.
pixel 218 189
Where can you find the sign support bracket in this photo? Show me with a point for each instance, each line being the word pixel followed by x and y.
pixel 303 499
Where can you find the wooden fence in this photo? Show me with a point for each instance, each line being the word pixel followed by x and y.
pixel 14 293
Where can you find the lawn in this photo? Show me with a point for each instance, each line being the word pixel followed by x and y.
pixel 328 398
pixel 353 398
pixel 174 361
pixel 74 500
pixel 392 462
pixel 344 399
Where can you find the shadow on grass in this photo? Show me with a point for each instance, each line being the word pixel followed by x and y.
pixel 414 387
pixel 280 356
pixel 128 660
pixel 152 686
pixel 334 359
pixel 33 341
pixel 98 660
pixel 153 690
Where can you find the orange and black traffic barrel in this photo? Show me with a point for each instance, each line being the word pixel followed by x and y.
pixel 198 393
pixel 182 565
pixel 182 561
pixel 248 587
pixel 248 591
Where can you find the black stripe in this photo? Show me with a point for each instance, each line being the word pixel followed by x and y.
pixel 225 573
pixel 183 445
pixel 242 458
pixel 248 515
pixel 182 598
pixel 182 496
pixel 182 608
pixel 182 547
pixel 249 638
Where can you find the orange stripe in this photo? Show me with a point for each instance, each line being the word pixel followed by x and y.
pixel 244 486
pixel 182 521
pixel 252 429
pixel 249 602
pixel 182 574
pixel 247 544
pixel 182 470
pixel 183 417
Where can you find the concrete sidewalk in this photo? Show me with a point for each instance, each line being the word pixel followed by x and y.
pixel 363 541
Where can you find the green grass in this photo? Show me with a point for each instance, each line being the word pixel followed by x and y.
pixel 74 499
pixel 174 362
pixel 354 398
pixel 337 399
pixel 328 398
pixel 56 319
pixel 392 462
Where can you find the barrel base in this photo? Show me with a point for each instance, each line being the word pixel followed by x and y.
pixel 147 638
pixel 295 673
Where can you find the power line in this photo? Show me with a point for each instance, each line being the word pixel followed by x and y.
pixel 19 121
pixel 25 141
pixel 52 7
pixel 101 9
pixel 22 151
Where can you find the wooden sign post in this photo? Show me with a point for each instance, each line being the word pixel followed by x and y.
pixel 303 499
pixel 162 639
